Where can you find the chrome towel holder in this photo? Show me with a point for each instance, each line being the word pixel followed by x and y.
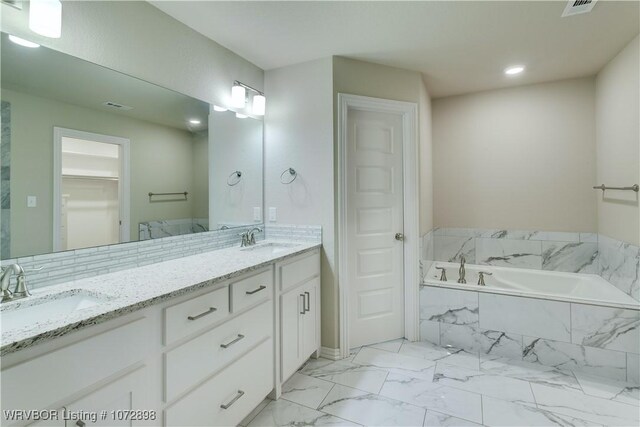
pixel 603 187
pixel 183 193
pixel 292 172
pixel 238 175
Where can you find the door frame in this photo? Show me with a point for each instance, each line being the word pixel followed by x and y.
pixel 409 111
pixel 124 181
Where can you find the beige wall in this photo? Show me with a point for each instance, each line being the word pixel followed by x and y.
pixel 135 38
pixel 618 141
pixel 518 158
pixel 161 159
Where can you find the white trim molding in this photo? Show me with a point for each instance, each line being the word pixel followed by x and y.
pixel 124 183
pixel 409 113
pixel 330 353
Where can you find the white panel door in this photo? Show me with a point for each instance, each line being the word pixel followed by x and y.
pixel 374 216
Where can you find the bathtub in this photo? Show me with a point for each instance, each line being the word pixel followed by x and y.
pixel 568 321
pixel 584 288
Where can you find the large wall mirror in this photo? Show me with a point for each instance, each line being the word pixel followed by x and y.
pixel 93 157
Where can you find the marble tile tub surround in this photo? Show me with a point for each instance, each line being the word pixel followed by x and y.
pixel 616 261
pixel 126 291
pixel 597 340
pixel 61 267
pixel 453 388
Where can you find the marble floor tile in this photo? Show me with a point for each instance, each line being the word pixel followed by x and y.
pixel 306 390
pixel 392 346
pixel 396 363
pixel 590 408
pixel 430 395
pixel 245 422
pixel 606 388
pixel 488 384
pixel 497 412
pixel 282 413
pixel 370 409
pixel 435 353
pixel 531 372
pixel 435 419
pixel 349 374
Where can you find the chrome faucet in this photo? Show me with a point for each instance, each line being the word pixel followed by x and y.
pixel 252 235
pixel 20 291
pixel 481 275
pixel 462 272
pixel 248 238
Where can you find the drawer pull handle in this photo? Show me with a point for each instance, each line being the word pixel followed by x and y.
pixel 229 344
pixel 308 302
pixel 256 290
pixel 303 310
pixel 238 396
pixel 211 310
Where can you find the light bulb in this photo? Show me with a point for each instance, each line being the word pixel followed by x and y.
pixel 194 121
pixel 258 107
pixel 23 42
pixel 238 96
pixel 45 17
pixel 517 69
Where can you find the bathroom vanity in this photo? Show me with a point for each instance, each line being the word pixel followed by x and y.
pixel 200 340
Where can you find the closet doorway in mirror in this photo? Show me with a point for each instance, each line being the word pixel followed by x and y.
pixel 91 189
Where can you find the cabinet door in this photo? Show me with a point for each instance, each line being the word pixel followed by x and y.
pixel 113 403
pixel 310 324
pixel 291 305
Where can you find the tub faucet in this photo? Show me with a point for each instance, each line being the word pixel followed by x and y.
pixel 481 275
pixel 462 272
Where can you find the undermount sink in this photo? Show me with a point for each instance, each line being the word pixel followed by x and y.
pixel 270 248
pixel 32 310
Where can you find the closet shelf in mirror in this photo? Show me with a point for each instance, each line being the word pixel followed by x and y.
pixel 183 193
pixel 106 178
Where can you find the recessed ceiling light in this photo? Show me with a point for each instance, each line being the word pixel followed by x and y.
pixel 516 69
pixel 219 108
pixel 23 42
pixel 241 116
pixel 194 121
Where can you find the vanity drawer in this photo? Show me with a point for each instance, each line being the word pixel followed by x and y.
pixel 197 359
pixel 251 290
pixel 197 313
pixel 299 270
pixel 239 389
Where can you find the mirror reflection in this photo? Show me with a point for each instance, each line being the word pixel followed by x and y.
pixel 94 157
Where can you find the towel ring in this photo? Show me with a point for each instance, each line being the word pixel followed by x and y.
pixel 237 174
pixel 292 172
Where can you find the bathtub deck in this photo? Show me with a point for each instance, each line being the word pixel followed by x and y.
pixel 402 383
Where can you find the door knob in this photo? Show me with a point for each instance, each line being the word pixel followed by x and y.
pixel 399 236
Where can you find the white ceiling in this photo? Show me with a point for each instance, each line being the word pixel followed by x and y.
pixel 459 47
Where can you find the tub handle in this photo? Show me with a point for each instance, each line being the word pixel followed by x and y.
pixel 481 275
pixel 443 275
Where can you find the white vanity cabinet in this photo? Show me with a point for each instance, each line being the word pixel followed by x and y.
pixel 205 358
pixel 299 302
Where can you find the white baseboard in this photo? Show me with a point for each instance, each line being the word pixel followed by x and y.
pixel 330 353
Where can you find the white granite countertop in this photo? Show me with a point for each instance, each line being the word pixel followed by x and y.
pixel 130 290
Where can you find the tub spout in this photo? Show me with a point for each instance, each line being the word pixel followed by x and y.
pixel 462 271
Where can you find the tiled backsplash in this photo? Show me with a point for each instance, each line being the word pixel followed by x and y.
pixel 66 266
pixel 589 253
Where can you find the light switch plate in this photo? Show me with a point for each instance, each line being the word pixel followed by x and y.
pixel 32 201
pixel 257 214
pixel 273 215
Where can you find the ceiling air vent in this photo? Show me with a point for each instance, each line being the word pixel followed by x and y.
pixel 117 106
pixel 577 7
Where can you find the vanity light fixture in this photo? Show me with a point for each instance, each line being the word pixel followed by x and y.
pixel 23 42
pixel 45 17
pixel 258 106
pixel 238 95
pixel 219 108
pixel 239 98
pixel 241 116
pixel 516 69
